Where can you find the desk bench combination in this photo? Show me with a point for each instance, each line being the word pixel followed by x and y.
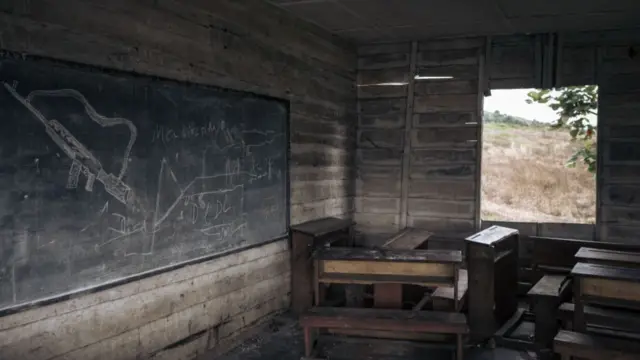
pixel 418 294
pixel 429 268
pixel 605 311
pixel 549 299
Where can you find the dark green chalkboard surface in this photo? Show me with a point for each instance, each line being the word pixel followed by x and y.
pixel 106 175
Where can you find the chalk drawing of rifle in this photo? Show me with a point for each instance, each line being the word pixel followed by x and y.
pixel 83 160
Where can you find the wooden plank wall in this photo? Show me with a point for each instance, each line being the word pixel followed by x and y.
pixel 610 59
pixel 515 62
pixel 239 44
pixel 618 74
pixel 436 188
pixel 418 139
pixel 382 111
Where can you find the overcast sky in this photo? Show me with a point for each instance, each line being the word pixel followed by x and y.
pixel 512 102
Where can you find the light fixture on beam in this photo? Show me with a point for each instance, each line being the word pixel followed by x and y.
pixel 427 77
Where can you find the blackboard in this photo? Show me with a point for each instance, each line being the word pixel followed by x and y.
pixel 106 175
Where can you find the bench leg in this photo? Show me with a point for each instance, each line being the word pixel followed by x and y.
pixel 308 345
pixel 459 354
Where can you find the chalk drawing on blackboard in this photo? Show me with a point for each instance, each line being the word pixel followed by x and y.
pixel 83 161
pixel 211 203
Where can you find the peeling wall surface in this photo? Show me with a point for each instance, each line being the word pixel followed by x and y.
pixel 241 45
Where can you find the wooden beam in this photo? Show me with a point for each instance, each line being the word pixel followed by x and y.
pixel 408 125
pixel 483 85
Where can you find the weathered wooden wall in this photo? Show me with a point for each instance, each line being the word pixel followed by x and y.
pixel 245 45
pixel 417 165
pixel 617 72
pixel 418 138
pixel 611 60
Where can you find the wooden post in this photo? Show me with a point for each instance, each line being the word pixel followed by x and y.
pixel 406 154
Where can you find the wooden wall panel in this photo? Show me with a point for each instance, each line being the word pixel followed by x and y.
pixel 618 68
pixel 382 110
pixel 514 62
pixel 428 177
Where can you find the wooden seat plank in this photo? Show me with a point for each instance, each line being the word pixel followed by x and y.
pixel 550 286
pixel 386 319
pixel 598 316
pixel 595 347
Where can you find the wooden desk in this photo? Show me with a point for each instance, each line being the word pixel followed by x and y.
pixel 608 257
pixel 389 296
pixel 554 256
pixel 304 238
pixel 604 285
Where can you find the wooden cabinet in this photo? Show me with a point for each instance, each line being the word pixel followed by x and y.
pixel 492 263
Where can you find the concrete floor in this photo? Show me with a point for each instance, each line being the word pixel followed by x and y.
pixel 282 340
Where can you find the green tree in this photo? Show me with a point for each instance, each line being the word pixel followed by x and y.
pixel 573 105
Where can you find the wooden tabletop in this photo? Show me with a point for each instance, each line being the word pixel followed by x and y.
pixel 606 272
pixel 364 254
pixel 612 257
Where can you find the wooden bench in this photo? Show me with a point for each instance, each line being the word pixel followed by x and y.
pixel 426 268
pixel 599 317
pixel 595 347
pixel 492 264
pixel 544 298
pixel 383 320
pixel 304 238
pixel 389 296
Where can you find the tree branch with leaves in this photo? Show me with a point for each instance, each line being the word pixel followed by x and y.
pixel 574 105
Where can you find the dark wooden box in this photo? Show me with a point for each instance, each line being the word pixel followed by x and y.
pixel 492 263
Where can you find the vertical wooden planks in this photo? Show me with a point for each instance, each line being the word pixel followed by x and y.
pixel 384 75
pixel 418 137
pixel 404 186
pixel 444 155
pixel 515 61
pixel 619 141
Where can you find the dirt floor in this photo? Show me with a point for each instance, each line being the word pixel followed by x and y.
pixel 282 340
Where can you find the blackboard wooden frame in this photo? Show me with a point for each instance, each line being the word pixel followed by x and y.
pixel 99 69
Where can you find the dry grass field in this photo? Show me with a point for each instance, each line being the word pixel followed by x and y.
pixel 524 177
